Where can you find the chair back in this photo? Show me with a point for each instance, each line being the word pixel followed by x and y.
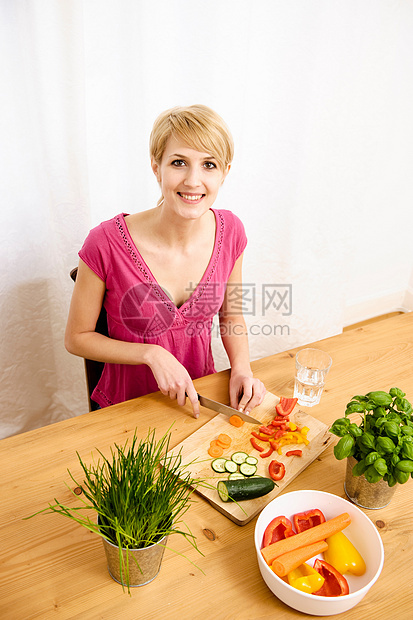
pixel 94 369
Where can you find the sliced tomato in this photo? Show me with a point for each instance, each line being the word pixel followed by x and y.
pixel 276 470
pixel 286 405
pixel 278 529
pixel 334 582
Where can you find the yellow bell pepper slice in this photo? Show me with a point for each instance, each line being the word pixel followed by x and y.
pixel 305 578
pixel 343 555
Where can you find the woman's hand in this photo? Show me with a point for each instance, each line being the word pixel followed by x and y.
pixel 245 392
pixel 172 378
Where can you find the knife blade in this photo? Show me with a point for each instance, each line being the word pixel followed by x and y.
pixel 229 411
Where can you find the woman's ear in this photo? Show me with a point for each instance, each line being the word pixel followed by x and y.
pixel 155 168
pixel 225 173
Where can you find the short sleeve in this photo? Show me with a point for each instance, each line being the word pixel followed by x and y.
pixel 94 251
pixel 237 232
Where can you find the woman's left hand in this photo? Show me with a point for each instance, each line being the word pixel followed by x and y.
pixel 245 392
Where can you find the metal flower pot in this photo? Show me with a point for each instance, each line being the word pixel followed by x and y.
pixel 372 495
pixel 144 564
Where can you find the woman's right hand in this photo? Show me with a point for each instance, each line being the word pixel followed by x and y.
pixel 172 378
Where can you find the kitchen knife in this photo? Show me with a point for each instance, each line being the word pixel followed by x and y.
pixel 229 411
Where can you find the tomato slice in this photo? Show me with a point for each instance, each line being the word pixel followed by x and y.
pixel 334 582
pixel 276 470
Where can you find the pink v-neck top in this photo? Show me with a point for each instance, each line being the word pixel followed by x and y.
pixel 139 310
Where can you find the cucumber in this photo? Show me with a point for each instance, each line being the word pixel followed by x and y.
pixel 236 476
pixel 239 457
pixel 247 470
pixel 231 467
pixel 251 460
pixel 249 488
pixel 218 465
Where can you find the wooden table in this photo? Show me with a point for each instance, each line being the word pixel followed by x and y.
pixel 53 568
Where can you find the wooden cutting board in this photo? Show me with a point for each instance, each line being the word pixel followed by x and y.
pixel 194 451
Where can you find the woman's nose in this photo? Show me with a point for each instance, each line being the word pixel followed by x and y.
pixel 193 177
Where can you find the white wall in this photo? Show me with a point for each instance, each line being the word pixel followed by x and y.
pixel 318 96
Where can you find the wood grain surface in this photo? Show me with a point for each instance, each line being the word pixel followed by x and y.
pixel 52 568
pixel 194 452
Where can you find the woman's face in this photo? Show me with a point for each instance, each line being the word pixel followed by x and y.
pixel 189 180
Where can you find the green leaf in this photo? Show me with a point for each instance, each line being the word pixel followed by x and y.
pixel 372 475
pixel 380 466
pixel 359 468
pixel 344 447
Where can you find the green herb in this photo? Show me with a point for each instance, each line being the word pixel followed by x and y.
pixel 140 494
pixel 382 443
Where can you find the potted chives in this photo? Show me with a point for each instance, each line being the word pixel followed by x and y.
pixel 140 495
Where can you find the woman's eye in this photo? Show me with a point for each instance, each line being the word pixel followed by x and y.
pixel 210 165
pixel 178 163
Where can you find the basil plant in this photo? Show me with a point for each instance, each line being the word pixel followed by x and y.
pixel 382 443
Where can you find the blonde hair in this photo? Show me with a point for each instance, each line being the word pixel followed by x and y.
pixel 197 125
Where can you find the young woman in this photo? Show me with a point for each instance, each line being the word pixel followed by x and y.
pixel 162 275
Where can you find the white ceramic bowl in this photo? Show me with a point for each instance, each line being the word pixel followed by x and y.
pixel 361 532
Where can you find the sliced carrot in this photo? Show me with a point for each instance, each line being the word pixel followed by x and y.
pixel 235 420
pixel 225 440
pixel 215 451
pixel 287 562
pixel 308 537
pixel 221 445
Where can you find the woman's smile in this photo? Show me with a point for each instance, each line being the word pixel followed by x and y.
pixel 192 198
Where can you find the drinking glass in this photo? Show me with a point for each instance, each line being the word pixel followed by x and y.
pixel 311 368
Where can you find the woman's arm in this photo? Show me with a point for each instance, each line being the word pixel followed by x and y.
pixel 82 339
pixel 245 391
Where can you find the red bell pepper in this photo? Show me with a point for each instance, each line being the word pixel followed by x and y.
pixel 256 445
pixel 294 453
pixel 286 405
pixel 276 470
pixel 270 450
pixel 266 430
pixel 334 582
pixel 305 520
pixel 278 529
pixel 260 437
pixel 279 423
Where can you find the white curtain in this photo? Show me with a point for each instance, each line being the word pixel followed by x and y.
pixel 318 96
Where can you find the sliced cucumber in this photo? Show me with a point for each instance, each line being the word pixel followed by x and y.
pixel 239 490
pixel 218 465
pixel 239 457
pixel 236 476
pixel 247 470
pixel 231 467
pixel 251 460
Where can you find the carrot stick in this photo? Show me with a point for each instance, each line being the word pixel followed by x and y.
pixel 287 562
pixel 308 537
